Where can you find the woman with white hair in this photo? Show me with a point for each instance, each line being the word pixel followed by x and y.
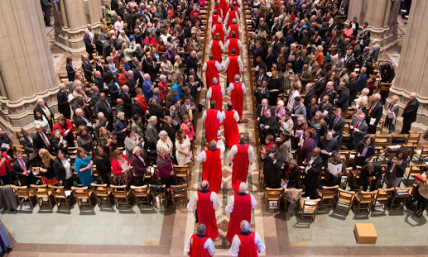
pixel 164 142
pixel 280 110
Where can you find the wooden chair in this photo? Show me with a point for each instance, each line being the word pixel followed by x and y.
pixel 179 194
pixel 24 194
pixel 309 207
pixel 121 195
pixel 81 194
pixel 382 197
pixel 141 194
pixel 366 199
pixel 344 199
pixel 42 192
pixel 273 195
pixel 61 196
pixel 103 193
pixel 328 194
pixel 415 169
pixel 182 172
pixel 401 193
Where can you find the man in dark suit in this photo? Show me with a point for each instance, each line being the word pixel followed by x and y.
pixel 374 115
pixel 359 127
pixel 105 107
pixel 45 111
pixel 41 140
pixel 371 174
pixel 326 108
pixel 88 44
pixel 22 168
pixel 263 107
pixel 337 124
pixel 409 113
pixel 272 162
pixel 127 101
pixel 87 68
pixel 343 100
pixel 313 168
pixel 63 102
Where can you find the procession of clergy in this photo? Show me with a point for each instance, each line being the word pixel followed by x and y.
pixel 205 201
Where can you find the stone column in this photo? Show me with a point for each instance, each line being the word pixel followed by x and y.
pixel 381 15
pixel 26 67
pixel 71 20
pixel 412 73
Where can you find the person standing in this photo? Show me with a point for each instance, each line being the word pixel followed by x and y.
pixel 211 165
pixel 205 203
pixel 409 113
pixel 239 208
pixel 246 243
pixel 199 244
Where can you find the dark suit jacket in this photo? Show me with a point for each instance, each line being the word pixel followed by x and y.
pixel 337 127
pixel 376 113
pixel 410 112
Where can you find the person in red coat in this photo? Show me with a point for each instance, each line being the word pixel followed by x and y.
pixel 242 156
pixel 246 243
pixel 233 43
pixel 205 203
pixel 220 29
pixel 239 208
pixel 216 47
pixel 234 66
pixel 212 68
pixel 212 118
pixel 216 93
pixel 231 131
pixel 199 245
pixel 211 165
pixel 236 90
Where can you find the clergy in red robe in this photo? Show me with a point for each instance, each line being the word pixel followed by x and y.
pixel 211 165
pixel 216 47
pixel 234 27
pixel 239 208
pixel 212 119
pixel 211 68
pixel 236 90
pixel 242 156
pixel 199 245
pixel 231 131
pixel 216 93
pixel 205 203
pixel 233 65
pixel 220 29
pixel 246 243
pixel 233 43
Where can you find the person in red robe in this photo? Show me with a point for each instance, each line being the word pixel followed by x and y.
pixel 205 203
pixel 211 165
pixel 211 68
pixel 233 43
pixel 246 243
pixel 199 245
pixel 234 66
pixel 234 27
pixel 212 119
pixel 236 90
pixel 220 29
pixel 216 47
pixel 239 208
pixel 241 156
pixel 231 131
pixel 216 93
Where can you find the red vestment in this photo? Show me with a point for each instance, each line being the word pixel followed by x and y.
pixel 211 73
pixel 220 31
pixel 211 169
pixel 241 211
pixel 217 97
pixel 233 44
pixel 240 166
pixel 206 214
pixel 215 18
pixel 212 125
pixel 231 131
pixel 224 7
pixel 248 246
pixel 237 98
pixel 232 15
pixel 234 27
pixel 216 50
pixel 232 69
pixel 197 246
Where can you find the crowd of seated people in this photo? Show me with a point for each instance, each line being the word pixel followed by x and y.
pixel 313 76
pixel 132 103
